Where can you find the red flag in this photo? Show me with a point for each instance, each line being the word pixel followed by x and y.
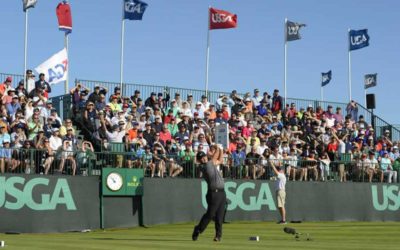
pixel 221 19
pixel 63 12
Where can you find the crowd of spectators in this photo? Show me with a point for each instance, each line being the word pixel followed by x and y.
pixel 163 133
pixel 33 138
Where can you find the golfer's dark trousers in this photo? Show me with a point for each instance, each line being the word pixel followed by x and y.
pixel 216 200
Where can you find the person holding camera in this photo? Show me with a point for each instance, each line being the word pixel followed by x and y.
pixel 280 190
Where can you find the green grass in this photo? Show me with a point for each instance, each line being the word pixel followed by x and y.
pixel 325 235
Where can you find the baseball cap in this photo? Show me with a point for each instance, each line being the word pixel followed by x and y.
pixel 200 155
pixel 9 79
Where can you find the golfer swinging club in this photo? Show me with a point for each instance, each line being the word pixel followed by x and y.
pixel 216 197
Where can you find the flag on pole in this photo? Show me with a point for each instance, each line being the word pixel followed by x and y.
pixel 63 12
pixel 55 68
pixel 221 19
pixel 293 31
pixel 326 78
pixel 358 39
pixel 370 80
pixel 134 9
pixel 28 4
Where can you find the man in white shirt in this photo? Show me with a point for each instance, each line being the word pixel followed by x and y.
pixel 55 140
pixel 280 191
pixel 372 165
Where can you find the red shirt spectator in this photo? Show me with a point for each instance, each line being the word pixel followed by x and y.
pixel 165 135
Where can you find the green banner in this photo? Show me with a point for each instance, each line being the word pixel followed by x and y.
pixel 122 181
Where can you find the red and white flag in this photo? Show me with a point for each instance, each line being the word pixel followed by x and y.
pixel 63 12
pixel 221 19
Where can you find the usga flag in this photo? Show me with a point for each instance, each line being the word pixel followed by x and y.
pixel 134 9
pixel 28 4
pixel 370 80
pixel 63 12
pixel 326 78
pixel 293 30
pixel 220 19
pixel 55 68
pixel 358 39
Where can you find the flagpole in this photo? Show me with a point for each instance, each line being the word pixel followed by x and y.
pixel 348 32
pixel 66 44
pixel 208 51
pixel 285 71
pixel 322 94
pixel 26 47
pixel 322 90
pixel 365 97
pixel 122 50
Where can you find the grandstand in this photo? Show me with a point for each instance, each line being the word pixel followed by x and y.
pixel 115 130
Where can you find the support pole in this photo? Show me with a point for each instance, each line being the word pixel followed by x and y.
pixel 66 44
pixel 285 70
pixel 208 51
pixel 122 54
pixel 349 65
pixel 26 47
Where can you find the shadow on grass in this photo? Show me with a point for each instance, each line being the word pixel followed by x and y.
pixel 142 239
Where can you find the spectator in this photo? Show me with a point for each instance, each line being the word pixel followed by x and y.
pixel 13 106
pixel 5 156
pixel 55 141
pixel 387 169
pixel 135 97
pixel 147 159
pixel 253 160
pixel 151 101
pixel 43 85
pixel 277 102
pixel 48 155
pixel 68 155
pixel 165 135
pixel 158 159
pixel 187 157
pixel 21 91
pixel 95 96
pixel 5 85
pixel 372 165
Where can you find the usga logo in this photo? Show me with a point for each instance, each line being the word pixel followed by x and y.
pixel 293 29
pixel 357 40
pixel 390 199
pixel 15 194
pixel 240 195
pixel 58 71
pixel 221 18
pixel 132 7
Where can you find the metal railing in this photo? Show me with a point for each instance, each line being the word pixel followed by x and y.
pixel 16 78
pixel 87 163
pixel 128 90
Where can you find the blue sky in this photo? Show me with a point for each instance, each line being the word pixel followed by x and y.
pixel 168 47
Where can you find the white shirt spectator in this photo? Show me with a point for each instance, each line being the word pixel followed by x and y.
pixel 261 149
pixel 115 136
pixel 55 142
pixel 281 182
